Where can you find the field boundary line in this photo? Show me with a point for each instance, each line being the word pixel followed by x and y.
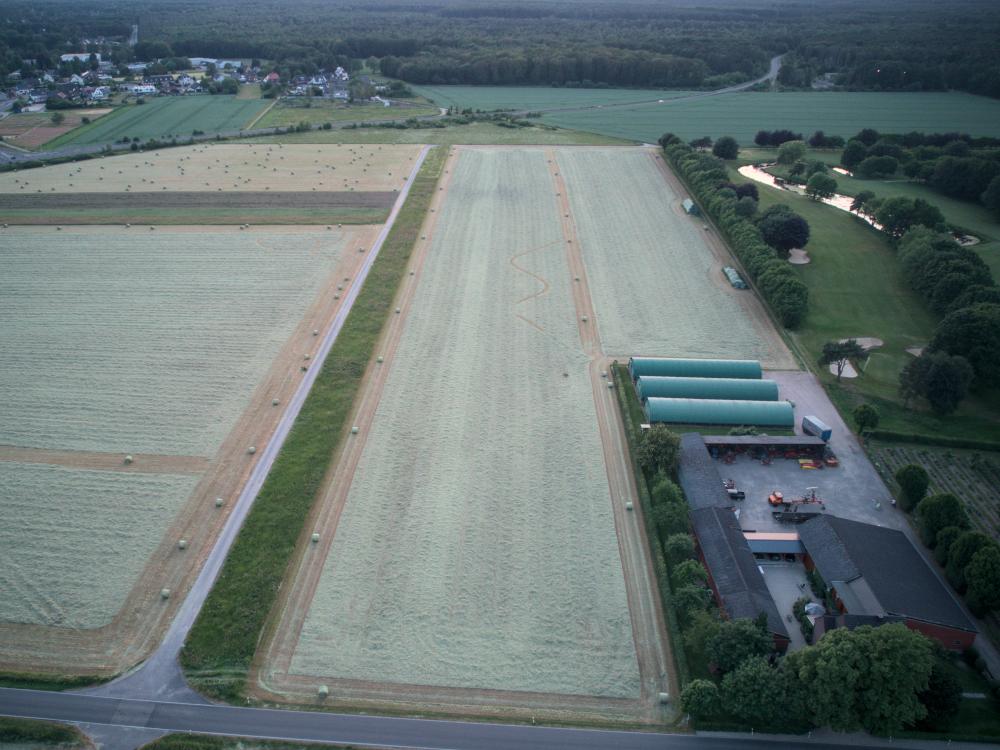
pixel 263 112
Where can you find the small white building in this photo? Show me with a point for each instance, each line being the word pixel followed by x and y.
pixel 80 56
pixel 100 94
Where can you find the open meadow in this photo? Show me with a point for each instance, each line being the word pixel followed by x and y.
pixel 214 183
pixel 291 112
pixel 657 285
pixel 167 117
pixel 741 115
pixel 139 368
pixel 462 560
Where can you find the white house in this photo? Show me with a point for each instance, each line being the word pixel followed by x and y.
pixel 100 94
pixel 81 56
pixel 75 79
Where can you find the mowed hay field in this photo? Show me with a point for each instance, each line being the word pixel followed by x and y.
pixel 656 286
pixel 741 115
pixel 477 546
pixel 33 129
pixel 168 117
pixel 132 341
pixel 72 542
pixel 227 167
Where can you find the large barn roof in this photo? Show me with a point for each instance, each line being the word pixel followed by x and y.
pixel 880 571
pixel 720 411
pixel 746 389
pixel 695 368
pixel 733 568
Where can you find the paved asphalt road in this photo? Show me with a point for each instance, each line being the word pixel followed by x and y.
pixel 382 731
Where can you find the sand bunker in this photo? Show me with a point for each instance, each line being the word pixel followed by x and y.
pixel 866 342
pixel 849 371
pixel 799 257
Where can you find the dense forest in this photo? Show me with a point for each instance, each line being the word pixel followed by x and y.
pixel 894 45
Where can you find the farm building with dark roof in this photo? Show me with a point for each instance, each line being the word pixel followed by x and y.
pixel 876 575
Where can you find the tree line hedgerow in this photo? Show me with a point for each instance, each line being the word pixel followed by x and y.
pixel 707 178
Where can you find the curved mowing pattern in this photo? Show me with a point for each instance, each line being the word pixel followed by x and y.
pixel 477 546
pixel 655 283
pixel 73 542
pixel 146 342
pixel 715 411
pixel 168 117
pixel 725 388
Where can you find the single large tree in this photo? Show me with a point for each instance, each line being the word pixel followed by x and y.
pixel 688 573
pixel 938 511
pixel 982 576
pixel 913 480
pixel 898 214
pixel 783 229
pixel 960 554
pixel 678 547
pixel 821 186
pixel 840 353
pixel 658 450
pixel 700 699
pixel 756 693
pixel 867 678
pixel 973 333
pixel 941 379
pixel 865 416
pixel 737 641
pixel 790 152
pixel 854 153
pixel 726 148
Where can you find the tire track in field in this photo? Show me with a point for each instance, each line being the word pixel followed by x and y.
pixel 545 284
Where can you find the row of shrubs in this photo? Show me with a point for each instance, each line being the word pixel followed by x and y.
pixel 707 178
pixel 971 559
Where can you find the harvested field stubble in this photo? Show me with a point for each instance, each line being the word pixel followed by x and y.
pixel 477 547
pixel 226 167
pixel 162 336
pixel 73 543
pixel 657 287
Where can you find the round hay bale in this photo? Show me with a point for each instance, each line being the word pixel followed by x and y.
pixel 304 368
pixel 336 296
pixel 164 593
pixel 397 311
pixel 323 691
pixel 361 249
pixel 354 430
pixel 664 698
pixel 219 502
pixel 379 360
pixel 611 385
pixel 412 273
pixel 315 332
pixel 315 538
pixel 307 356
pixel 128 459
pixel 628 505
pixel 252 449
pixel 275 402
pixel 583 318
pixel 182 544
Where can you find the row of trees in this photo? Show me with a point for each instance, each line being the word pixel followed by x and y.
pixel 952 163
pixel 971 559
pixel 879 679
pixel 707 178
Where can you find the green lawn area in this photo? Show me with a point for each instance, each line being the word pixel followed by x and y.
pixel 477 133
pixel 741 115
pixel 534 97
pixel 28 733
pixel 167 117
pixel 291 112
pixel 248 91
pixel 856 289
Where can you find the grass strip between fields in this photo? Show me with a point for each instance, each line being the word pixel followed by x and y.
pixel 43 733
pixel 184 741
pixel 30 681
pixel 221 645
pixel 632 417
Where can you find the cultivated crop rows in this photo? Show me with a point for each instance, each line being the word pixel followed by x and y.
pixel 477 548
pixel 72 542
pixel 974 480
pixel 657 289
pixel 135 341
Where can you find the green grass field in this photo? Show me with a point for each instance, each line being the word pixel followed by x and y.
pixel 836 113
pixel 286 113
pixel 534 97
pixel 222 642
pixel 477 133
pixel 28 733
pixel 856 289
pixel 167 117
